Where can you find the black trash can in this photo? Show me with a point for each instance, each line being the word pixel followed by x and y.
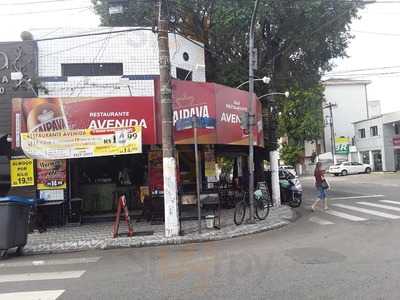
pixel 14 216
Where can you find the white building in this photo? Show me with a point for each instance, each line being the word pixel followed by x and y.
pixel 111 61
pixel 351 99
pixel 377 141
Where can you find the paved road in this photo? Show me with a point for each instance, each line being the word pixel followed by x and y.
pixel 349 252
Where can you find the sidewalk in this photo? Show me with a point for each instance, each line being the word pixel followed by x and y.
pixel 98 236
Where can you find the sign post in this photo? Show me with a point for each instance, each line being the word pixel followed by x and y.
pixel 198 182
pixel 195 123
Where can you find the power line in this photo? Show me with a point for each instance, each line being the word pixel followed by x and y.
pixel 33 2
pixel 376 33
pixel 45 11
pixel 361 70
pixel 94 34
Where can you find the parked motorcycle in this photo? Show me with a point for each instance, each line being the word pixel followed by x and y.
pixel 290 187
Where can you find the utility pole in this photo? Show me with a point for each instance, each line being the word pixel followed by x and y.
pixel 169 162
pixel 274 155
pixel 333 146
pixel 252 66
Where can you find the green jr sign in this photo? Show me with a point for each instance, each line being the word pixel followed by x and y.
pixel 342 149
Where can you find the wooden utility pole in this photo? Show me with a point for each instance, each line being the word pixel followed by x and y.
pixel 169 162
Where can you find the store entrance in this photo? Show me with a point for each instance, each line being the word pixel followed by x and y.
pixel 377 157
pixel 98 181
pixel 397 159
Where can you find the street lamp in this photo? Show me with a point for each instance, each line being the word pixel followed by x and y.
pixel 265 79
pixel 286 94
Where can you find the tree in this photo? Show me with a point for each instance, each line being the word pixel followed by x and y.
pixel 296 40
pixel 301 117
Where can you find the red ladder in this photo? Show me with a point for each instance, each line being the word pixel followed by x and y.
pixel 122 206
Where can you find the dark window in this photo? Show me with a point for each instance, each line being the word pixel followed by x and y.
pixel 374 130
pixel 361 133
pixel 183 74
pixel 185 56
pixel 396 128
pixel 100 69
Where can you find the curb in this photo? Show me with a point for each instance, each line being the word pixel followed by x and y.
pixel 283 216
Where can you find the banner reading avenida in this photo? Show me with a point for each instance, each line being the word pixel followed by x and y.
pixel 64 144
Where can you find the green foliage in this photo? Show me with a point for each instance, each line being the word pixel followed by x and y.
pixel 301 116
pixel 226 165
pixel 296 41
pixel 291 154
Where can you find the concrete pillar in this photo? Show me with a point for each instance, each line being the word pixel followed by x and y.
pixel 371 160
pixel 359 157
pixel 384 168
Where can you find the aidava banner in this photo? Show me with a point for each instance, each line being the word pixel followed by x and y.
pixel 80 143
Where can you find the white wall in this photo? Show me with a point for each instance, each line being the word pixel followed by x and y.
pixel 369 142
pixel 137 50
pixel 351 107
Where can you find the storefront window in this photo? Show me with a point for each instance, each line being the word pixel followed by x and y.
pixel 365 157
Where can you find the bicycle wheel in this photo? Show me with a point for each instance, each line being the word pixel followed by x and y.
pixel 240 212
pixel 262 208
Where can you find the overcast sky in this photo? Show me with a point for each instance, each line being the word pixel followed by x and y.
pixel 376 44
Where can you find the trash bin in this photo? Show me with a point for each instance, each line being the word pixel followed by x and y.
pixel 14 215
pixel 210 221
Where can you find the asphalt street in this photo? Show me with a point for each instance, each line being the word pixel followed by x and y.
pixel 350 251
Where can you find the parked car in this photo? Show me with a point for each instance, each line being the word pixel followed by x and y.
pixel 346 168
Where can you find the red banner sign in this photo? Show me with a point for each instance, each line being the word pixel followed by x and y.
pixel 396 142
pixel 224 104
pixel 49 114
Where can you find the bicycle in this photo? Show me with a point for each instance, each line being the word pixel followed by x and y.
pixel 261 205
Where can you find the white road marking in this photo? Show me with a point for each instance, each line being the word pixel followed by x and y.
pixel 320 221
pixel 344 215
pixel 380 206
pixel 52 262
pixel 356 197
pixel 390 201
pixel 41 276
pixel 368 211
pixel 34 295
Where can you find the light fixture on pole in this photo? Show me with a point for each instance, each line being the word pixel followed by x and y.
pixel 265 79
pixel 286 94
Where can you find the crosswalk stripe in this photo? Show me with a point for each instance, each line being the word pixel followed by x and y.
pixel 51 262
pixel 390 201
pixel 380 206
pixel 368 211
pixel 344 215
pixel 41 276
pixel 356 197
pixel 320 221
pixel 33 295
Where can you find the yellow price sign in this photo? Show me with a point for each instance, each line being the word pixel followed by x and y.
pixel 22 172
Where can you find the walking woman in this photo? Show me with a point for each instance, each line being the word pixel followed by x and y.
pixel 321 185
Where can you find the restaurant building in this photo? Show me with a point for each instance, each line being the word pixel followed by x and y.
pixel 90 92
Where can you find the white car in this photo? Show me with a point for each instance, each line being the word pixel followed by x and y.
pixel 346 168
